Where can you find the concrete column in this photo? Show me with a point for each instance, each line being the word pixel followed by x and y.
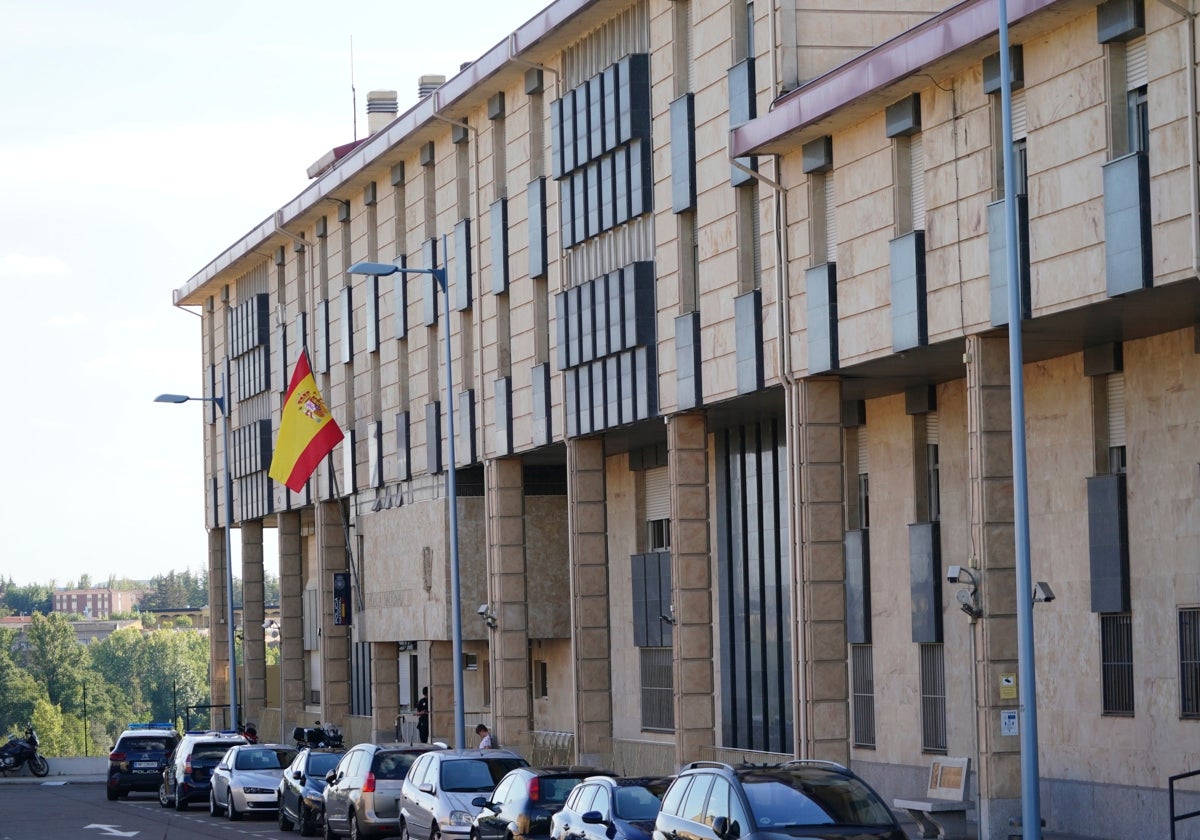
pixel 823 718
pixel 989 435
pixel 254 651
pixel 588 523
pixel 512 703
pixel 335 640
pixel 291 621
pixel 691 587
pixel 385 689
pixel 441 696
pixel 218 635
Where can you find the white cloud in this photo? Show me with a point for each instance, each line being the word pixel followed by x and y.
pixel 22 266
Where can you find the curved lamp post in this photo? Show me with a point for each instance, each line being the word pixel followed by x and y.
pixel 222 405
pixel 375 269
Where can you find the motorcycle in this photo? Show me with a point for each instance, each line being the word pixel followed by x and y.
pixel 21 751
pixel 317 736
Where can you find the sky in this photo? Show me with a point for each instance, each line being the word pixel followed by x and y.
pixel 138 140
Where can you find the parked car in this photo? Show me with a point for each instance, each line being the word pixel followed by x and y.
pixel 436 800
pixel 361 792
pixel 820 800
pixel 138 758
pixel 186 777
pixel 301 792
pixel 246 780
pixel 523 802
pixel 605 808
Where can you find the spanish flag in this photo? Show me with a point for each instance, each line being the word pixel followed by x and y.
pixel 307 431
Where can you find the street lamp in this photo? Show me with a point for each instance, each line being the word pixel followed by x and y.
pixel 222 404
pixel 375 269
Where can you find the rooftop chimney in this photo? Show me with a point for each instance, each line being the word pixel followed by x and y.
pixel 428 84
pixel 381 109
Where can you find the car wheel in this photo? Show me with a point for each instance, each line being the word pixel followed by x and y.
pixel 284 823
pixel 163 800
pixel 404 831
pixel 355 831
pixel 111 794
pixel 231 810
pixel 213 809
pixel 329 833
pixel 308 824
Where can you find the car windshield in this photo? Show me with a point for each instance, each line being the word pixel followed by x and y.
pixel 263 759
pixel 209 754
pixel 636 803
pixel 476 775
pixel 811 796
pixel 321 763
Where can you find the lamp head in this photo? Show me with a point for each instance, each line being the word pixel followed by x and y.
pixel 374 268
pixel 172 398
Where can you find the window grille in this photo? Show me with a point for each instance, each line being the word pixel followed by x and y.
pixel 1116 663
pixel 933 699
pixel 1189 663
pixel 916 157
pixel 658 689
pixel 863 677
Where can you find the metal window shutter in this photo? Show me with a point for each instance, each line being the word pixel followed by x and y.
pixel 916 155
pixel 1136 71
pixel 862 450
pixel 1116 409
pixel 830 220
pixel 931 428
pixel 658 494
pixel 1019 116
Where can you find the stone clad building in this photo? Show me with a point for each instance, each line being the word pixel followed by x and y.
pixel 729 339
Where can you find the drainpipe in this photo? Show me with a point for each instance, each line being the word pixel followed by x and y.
pixel 512 56
pixel 1193 157
pixel 790 413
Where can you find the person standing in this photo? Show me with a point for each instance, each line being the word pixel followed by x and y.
pixel 423 716
pixel 485 737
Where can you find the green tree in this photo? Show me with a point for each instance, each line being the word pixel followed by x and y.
pixel 27 600
pixel 57 660
pixel 19 691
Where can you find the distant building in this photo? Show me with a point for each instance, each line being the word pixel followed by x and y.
pixel 96 603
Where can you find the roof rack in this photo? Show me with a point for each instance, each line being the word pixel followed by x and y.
pixel 816 762
pixel 151 725
pixel 212 732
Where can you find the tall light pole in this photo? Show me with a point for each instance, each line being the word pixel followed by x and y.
pixel 1031 820
pixel 222 404
pixel 375 269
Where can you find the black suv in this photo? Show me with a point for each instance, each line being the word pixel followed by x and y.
pixel 186 777
pixel 819 800
pixel 137 759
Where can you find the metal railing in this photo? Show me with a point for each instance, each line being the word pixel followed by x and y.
pixel 549 749
pixel 1175 818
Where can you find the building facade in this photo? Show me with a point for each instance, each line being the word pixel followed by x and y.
pixel 729 352
pixel 96 603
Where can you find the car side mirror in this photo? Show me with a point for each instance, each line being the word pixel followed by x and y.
pixel 480 802
pixel 331 777
pixel 426 787
pixel 720 826
pixel 593 818
pixel 298 775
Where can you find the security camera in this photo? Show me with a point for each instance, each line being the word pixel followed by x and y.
pixel 953 574
pixel 1042 593
pixel 483 610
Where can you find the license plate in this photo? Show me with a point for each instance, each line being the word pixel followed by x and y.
pixel 146 765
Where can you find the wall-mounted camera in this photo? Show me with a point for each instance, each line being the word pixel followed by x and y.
pixel 1042 593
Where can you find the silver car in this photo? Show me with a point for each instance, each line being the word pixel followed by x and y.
pixel 360 793
pixel 247 779
pixel 437 800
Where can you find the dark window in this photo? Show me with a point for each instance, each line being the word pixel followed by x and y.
pixel 933 699
pixel 1116 663
pixel 862 669
pixel 658 533
pixel 658 689
pixel 864 501
pixel 1116 460
pixel 1139 120
pixel 542 671
pixel 1189 663
pixel 935 483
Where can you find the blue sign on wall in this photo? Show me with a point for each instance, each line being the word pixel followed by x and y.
pixel 341 599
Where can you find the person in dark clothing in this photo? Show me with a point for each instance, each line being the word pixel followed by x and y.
pixel 423 716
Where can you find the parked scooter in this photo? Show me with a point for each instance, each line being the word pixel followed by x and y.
pixel 317 736
pixel 21 751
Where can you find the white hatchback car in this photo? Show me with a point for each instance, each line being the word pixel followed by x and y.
pixel 247 779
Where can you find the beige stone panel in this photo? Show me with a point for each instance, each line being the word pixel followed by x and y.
pixel 863 154
pixel 830 643
pixel 1068 281
pixel 827 601
pixel 826 560
pixel 864 335
pixel 830 680
pixel 1000 643
pixel 998 499
pixel 698 710
pixel 1000 548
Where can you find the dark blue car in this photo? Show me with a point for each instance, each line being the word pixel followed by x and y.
pixel 604 808
pixel 301 802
